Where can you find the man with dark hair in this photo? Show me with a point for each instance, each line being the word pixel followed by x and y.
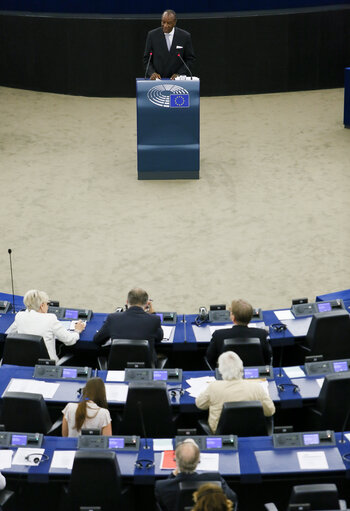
pixel 187 455
pixel 241 314
pixel 165 44
pixel 138 322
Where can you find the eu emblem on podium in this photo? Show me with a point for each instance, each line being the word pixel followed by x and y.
pixel 179 100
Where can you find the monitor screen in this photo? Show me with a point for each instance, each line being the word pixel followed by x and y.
pixel 19 440
pixel 69 372
pixel 116 443
pixel 160 315
pixel 342 365
pixel 324 307
pixel 311 439
pixel 214 443
pixel 160 375
pixel 71 314
pixel 252 372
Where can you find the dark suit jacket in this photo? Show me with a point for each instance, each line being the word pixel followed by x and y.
pixel 166 490
pixel 134 324
pixel 216 344
pixel 163 61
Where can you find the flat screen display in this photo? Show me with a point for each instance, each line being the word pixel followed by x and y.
pixel 252 372
pixel 160 375
pixel 324 307
pixel 19 440
pixel 342 365
pixel 71 314
pixel 311 438
pixel 116 443
pixel 214 443
pixel 160 315
pixel 69 373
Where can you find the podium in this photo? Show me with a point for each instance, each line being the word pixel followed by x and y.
pixel 167 129
pixel 347 98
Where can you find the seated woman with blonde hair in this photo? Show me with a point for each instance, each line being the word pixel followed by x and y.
pixel 91 413
pixel 210 497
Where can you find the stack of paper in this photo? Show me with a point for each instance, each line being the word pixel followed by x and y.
pixel 47 390
pixel 198 385
pixel 168 333
pixel 116 392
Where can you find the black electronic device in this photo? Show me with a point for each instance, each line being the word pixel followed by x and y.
pixel 168 375
pixel 46 362
pixel 299 507
pixel 167 318
pixel 252 372
pixel 257 314
pixel 71 313
pixel 49 372
pixel 299 301
pixel 212 442
pixel 219 315
pixel 14 439
pixel 304 439
pixel 308 309
pixel 124 443
pixel 327 367
pixel 5 306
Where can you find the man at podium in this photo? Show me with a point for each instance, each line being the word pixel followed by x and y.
pixel 168 52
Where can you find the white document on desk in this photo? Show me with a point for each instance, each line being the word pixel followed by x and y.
pixel 320 382
pixel 63 459
pixel 209 462
pixel 298 327
pixel 312 460
pixel 23 453
pixel 213 328
pixel 163 444
pixel 5 458
pixel 168 333
pixel 47 390
pixel 294 372
pixel 198 385
pixel 201 333
pixel 283 314
pixel 115 376
pixel 116 392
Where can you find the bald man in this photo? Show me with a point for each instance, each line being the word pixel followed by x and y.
pixel 187 455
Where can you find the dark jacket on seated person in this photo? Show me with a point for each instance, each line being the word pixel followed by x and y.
pixel 166 490
pixel 216 345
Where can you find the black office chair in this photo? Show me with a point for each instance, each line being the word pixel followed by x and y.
pixel 329 335
pixel 318 496
pixel 123 351
pixel 186 490
pixel 147 411
pixel 332 404
pixel 25 350
pixel 6 499
pixel 241 418
pixel 95 481
pixel 247 348
pixel 27 412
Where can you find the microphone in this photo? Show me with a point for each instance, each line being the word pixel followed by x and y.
pixel 13 292
pixel 184 322
pixel 186 66
pixel 149 60
pixel 139 405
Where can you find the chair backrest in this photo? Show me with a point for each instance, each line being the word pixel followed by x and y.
pixel 24 349
pixel 248 349
pixel 24 411
pixel 187 488
pixel 334 401
pixel 319 496
pixel 95 481
pixel 123 351
pixel 147 402
pixel 242 418
pixel 329 335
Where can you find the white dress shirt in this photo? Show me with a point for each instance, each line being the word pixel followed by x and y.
pixel 45 324
pixel 169 38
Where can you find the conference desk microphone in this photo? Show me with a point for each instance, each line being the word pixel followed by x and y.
pixel 342 439
pixel 149 60
pixel 139 406
pixel 13 292
pixel 186 66
pixel 184 323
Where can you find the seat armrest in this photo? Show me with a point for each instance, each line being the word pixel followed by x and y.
pixel 269 425
pixel 342 504
pixel 207 363
pixel 5 496
pixel 55 426
pixel 270 506
pixel 205 427
pixel 102 363
pixel 161 362
pixel 64 359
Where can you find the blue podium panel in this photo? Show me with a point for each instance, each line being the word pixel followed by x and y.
pixel 167 129
pixel 347 98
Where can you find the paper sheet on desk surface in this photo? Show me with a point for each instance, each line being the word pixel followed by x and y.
pixel 311 460
pixel 116 392
pixel 115 376
pixel 5 458
pixel 198 385
pixel 21 454
pixel 320 382
pixel 168 333
pixel 294 372
pixel 347 436
pixel 209 461
pixel 63 459
pixel 47 390
pixel 298 327
pixel 212 328
pixel 284 314
pixel 163 444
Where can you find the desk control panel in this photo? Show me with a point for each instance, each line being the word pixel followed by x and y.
pixel 220 316
pixel 308 439
pixel 62 373
pixel 9 439
pixel 327 367
pixel 212 443
pixel 126 443
pixel 71 314
pixel 167 318
pixel 257 315
pixel 168 375
pixel 308 309
pixel 5 306
pixel 252 373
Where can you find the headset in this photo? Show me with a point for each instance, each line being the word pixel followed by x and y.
pixel 279 327
pixel 282 387
pixel 202 317
pixel 144 463
pixel 173 391
pixel 37 460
